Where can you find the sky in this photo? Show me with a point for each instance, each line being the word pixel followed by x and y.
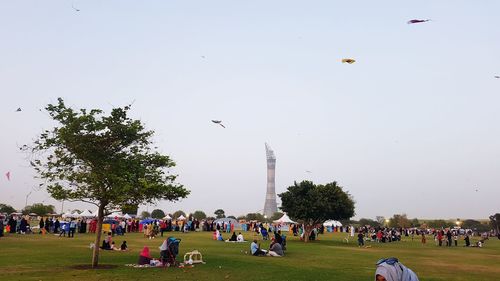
pixel 411 127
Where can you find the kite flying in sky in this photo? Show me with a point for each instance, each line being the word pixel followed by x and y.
pixel 77 10
pixel 8 176
pixel 18 109
pixel 349 61
pixel 219 122
pixel 497 76
pixel 417 21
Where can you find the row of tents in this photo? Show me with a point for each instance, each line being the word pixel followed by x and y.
pixel 286 220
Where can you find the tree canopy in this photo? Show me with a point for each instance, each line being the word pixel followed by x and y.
pixel 145 214
pixel 495 222
pixel 39 209
pixel 370 222
pixel 4 208
pixel 199 215
pixel 157 214
pixel 219 213
pixel 178 213
pixel 399 220
pixel 255 217
pixel 105 160
pixel 312 204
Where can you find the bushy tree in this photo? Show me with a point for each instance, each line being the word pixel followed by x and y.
pixel 475 225
pixel 231 217
pixel 157 214
pixel 415 223
pixel 219 213
pixel 4 208
pixel 399 220
pixel 199 215
pixel 145 214
pixel 39 209
pixel 370 222
pixel 130 209
pixel 255 217
pixel 178 213
pixel 312 204
pixel 438 224
pixel 105 160
pixel 495 222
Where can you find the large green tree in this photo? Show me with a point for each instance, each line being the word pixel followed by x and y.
pixel 370 222
pixel 219 213
pixel 105 160
pixel 4 208
pixel 178 213
pixel 255 217
pixel 199 215
pixel 399 220
pixel 157 214
pixel 39 209
pixel 312 204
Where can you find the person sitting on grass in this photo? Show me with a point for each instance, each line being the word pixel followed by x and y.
pixel 124 246
pixel 145 257
pixel 233 237
pixel 255 249
pixel 106 243
pixel 240 238
pixel 392 270
pixel 275 249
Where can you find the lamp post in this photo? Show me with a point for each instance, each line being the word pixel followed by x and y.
pixel 26 202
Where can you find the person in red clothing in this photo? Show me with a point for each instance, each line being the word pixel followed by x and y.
pixel 163 227
pixel 440 237
pixel 145 257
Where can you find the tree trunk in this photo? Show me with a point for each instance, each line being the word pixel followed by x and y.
pixel 307 232
pixel 95 254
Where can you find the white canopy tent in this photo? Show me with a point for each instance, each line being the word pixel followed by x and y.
pixel 67 215
pixel 181 218
pixel 115 215
pixel 167 217
pixel 127 216
pixel 284 219
pixel 332 223
pixel 86 214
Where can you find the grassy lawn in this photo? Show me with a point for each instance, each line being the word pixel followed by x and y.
pixel 37 257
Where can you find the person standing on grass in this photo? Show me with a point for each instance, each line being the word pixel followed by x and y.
pixel 448 236
pixel 440 237
pixel 1 227
pixel 455 238
pixel 41 225
pixel 72 228
pixel 467 240
pixel 423 238
pixel 361 241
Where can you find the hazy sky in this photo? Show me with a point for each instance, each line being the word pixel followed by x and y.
pixel 412 127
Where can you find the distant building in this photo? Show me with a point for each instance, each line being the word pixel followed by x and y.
pixel 270 206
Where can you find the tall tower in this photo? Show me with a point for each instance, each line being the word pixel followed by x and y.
pixel 270 207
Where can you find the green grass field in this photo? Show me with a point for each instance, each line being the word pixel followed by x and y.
pixel 37 257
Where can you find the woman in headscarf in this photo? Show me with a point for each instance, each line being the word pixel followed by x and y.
pixel 145 257
pixel 233 237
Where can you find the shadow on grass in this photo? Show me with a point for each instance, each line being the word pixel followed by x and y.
pixel 88 266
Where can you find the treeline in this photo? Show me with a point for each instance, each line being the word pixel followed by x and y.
pixel 401 220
